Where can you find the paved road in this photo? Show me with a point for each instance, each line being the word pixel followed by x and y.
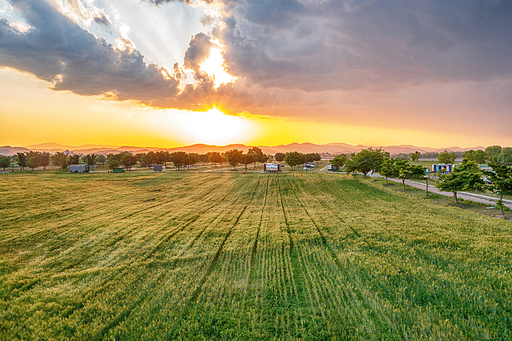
pixel 466 196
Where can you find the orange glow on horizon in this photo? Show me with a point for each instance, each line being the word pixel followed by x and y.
pixel 33 114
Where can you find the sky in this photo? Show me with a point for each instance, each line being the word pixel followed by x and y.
pixel 169 73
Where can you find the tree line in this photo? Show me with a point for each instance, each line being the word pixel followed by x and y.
pixel 127 159
pixel 466 177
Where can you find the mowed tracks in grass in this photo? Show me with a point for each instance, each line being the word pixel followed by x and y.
pixel 126 259
pixel 233 256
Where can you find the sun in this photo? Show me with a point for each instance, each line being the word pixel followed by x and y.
pixel 214 127
pixel 214 67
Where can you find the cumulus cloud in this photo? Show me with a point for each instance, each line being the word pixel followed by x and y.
pixel 69 57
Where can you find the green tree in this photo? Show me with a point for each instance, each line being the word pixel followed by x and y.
pixel 475 155
pixel 279 157
pixel 492 154
pixel 114 160
pixel 101 159
pixel 162 157
pixel 150 158
pixel 294 159
pixel 506 156
pixel 257 155
pixel 179 159
pixel 45 159
pixel 215 157
pixel 406 171
pixel 234 157
pixel 463 178
pixel 192 159
pixel 90 159
pixel 73 159
pixel 5 162
pixel 501 181
pixel 446 157
pixel 248 159
pixel 128 160
pixel 366 161
pixel 22 160
pixel 415 156
pixel 340 161
pixel 60 159
pixel 388 168
pixel 34 160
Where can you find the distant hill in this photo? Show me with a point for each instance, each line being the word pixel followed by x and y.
pixel 331 148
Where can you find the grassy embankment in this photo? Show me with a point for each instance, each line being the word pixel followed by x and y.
pixel 255 256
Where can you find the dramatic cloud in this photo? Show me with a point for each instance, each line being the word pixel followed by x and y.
pixel 322 45
pixel 334 60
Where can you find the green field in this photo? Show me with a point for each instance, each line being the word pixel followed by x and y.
pixel 225 256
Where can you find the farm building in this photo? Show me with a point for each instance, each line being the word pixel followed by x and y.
pixel 78 168
pixel 272 167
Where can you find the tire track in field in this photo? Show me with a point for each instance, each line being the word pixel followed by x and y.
pixel 122 272
pixel 127 233
pixel 297 273
pixel 421 285
pixel 213 263
pixel 253 252
pixel 367 295
pixel 340 267
pixel 219 250
pixel 162 277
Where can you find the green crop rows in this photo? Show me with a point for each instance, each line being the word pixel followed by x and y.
pixel 224 256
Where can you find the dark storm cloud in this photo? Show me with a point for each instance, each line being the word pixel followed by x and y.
pixel 59 51
pixel 320 45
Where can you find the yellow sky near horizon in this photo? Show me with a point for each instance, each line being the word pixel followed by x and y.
pixel 30 113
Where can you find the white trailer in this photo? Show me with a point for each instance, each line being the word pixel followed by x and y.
pixel 272 167
pixel 78 168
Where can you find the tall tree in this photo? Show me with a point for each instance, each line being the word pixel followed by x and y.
pixel 60 159
pixel 215 157
pixel 73 159
pixel 475 155
pixel 415 156
pixel 256 155
pixel 367 160
pixel 248 158
pixel 5 162
pixel 34 160
pixel 179 159
pixel 45 159
pixel 101 159
pixel 388 168
pixel 492 154
pixel 501 181
pixel 22 160
pixel 294 159
pixel 128 160
pixel 340 161
pixel 279 157
pixel 114 160
pixel 90 159
pixel 406 171
pixel 506 156
pixel 465 177
pixel 234 157
pixel 446 157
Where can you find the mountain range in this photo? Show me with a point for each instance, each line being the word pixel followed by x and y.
pixel 331 148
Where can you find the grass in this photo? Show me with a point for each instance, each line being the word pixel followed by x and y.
pixel 191 256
